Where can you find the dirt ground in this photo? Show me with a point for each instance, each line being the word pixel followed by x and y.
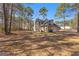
pixel 26 43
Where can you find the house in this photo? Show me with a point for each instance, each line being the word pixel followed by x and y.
pixel 53 27
pixel 47 26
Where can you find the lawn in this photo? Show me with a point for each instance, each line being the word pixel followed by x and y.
pixel 26 43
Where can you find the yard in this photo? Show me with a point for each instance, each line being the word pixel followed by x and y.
pixel 25 43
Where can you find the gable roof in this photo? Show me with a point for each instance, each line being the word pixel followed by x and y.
pixel 47 23
pixel 54 25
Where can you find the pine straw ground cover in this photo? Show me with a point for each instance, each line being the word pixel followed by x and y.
pixel 24 43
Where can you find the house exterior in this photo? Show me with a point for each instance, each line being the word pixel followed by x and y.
pixel 50 27
pixel 47 26
pixel 53 27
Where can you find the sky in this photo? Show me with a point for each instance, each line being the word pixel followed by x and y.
pixel 51 7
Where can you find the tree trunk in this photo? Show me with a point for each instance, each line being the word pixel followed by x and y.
pixel 64 23
pixel 34 25
pixel 78 23
pixel 2 23
pixel 11 18
pixel 21 24
pixel 5 18
pixel 29 25
pixel 64 16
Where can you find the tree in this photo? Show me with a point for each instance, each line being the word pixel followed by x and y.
pixel 30 12
pixel 72 7
pixel 1 16
pixel 61 12
pixel 43 11
pixel 9 14
pixel 8 9
pixel 5 11
pixel 76 6
pixel 11 18
pixel 12 11
pixel 21 14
